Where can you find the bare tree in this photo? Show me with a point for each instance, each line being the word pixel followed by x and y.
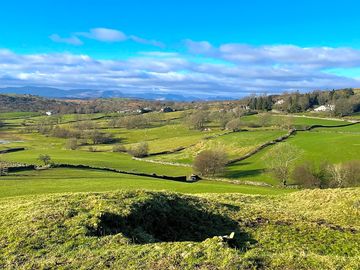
pixel 72 144
pixel 140 150
pixel 197 120
pixel 234 125
pixel 345 174
pixel 265 119
pixel 210 162
pixel 280 160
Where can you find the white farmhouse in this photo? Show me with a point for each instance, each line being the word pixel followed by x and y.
pixel 325 108
pixel 279 102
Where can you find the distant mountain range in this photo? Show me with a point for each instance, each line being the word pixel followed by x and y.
pixel 51 92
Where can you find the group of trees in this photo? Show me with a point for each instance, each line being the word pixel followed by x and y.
pixel 281 161
pixel 326 175
pixel 345 101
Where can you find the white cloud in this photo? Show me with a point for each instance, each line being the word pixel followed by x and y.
pixel 317 57
pixel 273 69
pixel 104 35
pixel 73 40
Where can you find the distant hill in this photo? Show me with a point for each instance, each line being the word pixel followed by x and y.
pixel 52 92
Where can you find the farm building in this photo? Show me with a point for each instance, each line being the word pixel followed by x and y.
pixel 325 108
pixel 167 109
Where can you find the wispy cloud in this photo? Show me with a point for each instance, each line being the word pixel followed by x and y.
pixel 317 57
pixel 104 35
pixel 73 40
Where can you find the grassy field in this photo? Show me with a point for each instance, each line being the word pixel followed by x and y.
pixel 332 145
pixel 167 132
pixel 76 180
pixel 149 230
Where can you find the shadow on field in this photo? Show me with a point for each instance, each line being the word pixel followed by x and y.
pixel 244 173
pixel 170 219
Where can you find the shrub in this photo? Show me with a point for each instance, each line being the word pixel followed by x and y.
pixel 265 119
pixel 97 137
pixel 345 174
pixel 234 125
pixel 134 121
pixel 210 162
pixel 352 169
pixel 92 149
pixel 197 120
pixel 310 176
pixel 140 150
pixel 119 148
pixel 45 158
pixel 72 144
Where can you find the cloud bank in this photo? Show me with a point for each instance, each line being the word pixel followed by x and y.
pixel 200 69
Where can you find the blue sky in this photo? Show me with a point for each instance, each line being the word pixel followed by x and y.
pixel 202 47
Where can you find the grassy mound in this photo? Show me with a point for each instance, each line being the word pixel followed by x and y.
pixel 311 229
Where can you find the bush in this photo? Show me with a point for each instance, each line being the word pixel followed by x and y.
pixel 234 125
pixel 310 176
pixel 197 120
pixel 92 149
pixel 210 162
pixel 345 174
pixel 328 175
pixel 140 150
pixel 72 144
pixel 97 137
pixel 134 121
pixel 119 148
pixel 45 158
pixel 60 132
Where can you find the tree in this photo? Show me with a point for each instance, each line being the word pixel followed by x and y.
pixel 45 158
pixel 352 169
pixel 234 125
pixel 197 120
pixel 309 175
pixel 97 137
pixel 139 150
pixel 343 107
pixel 210 162
pixel 345 174
pixel 119 148
pixel 72 144
pixel 280 160
pixel 3 168
pixel 265 119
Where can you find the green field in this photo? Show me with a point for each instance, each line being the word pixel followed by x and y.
pixel 168 132
pixel 61 218
pixel 76 180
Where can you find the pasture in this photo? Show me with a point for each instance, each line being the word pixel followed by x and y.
pixel 167 132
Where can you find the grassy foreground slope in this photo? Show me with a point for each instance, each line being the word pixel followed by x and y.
pixel 311 229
